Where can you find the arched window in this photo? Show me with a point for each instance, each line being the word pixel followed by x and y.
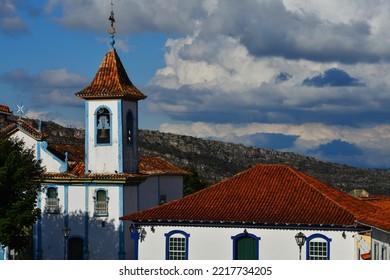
pixel 52 201
pixel 176 245
pixel 245 246
pixel 103 126
pixel 129 128
pixel 101 203
pixel 318 247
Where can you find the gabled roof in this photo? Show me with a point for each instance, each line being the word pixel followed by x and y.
pixel 25 127
pixel 261 195
pixel 111 81
pixel 5 110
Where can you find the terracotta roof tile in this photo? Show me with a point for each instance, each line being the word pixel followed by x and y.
pixel 25 127
pixel 5 109
pixel 154 165
pixel 263 194
pixel 381 217
pixel 111 81
pixel 76 152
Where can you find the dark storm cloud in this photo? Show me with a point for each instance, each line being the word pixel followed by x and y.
pixel 265 28
pixel 339 148
pixel 333 78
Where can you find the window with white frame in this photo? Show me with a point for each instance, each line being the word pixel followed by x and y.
pixel 177 248
pixel 52 205
pixel 384 252
pixel 318 250
pixel 318 247
pixel 376 251
pixel 177 245
pixel 101 203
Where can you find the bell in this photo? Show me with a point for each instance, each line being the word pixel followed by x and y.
pixel 103 134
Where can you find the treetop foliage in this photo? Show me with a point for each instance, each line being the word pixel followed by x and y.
pixel 20 175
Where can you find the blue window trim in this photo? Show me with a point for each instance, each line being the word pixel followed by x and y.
pixel 168 235
pixel 95 126
pixel 256 238
pixel 318 235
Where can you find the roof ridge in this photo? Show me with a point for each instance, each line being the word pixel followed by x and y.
pixel 303 177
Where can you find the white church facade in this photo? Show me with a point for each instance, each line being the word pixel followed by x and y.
pixel 87 188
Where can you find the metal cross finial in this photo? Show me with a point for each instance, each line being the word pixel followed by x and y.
pixel 111 29
pixel 20 110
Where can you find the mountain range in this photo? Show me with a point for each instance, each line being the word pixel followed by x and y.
pixel 215 160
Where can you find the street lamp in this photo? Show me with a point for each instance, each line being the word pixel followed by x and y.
pixel 66 231
pixel 300 238
pixel 141 232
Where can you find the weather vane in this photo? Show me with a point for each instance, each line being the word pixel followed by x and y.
pixel 111 29
pixel 20 110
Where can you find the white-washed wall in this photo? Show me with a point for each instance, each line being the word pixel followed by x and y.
pixel 49 161
pixel 217 244
pixel 103 158
pixel 101 233
pixel 169 185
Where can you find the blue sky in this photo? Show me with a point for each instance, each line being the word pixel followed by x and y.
pixel 305 76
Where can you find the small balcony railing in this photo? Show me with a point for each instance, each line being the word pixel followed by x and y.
pixel 101 208
pixel 52 205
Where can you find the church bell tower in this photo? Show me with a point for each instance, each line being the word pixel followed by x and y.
pixel 111 116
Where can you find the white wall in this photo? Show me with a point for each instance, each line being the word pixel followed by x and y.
pixel 102 158
pixel 211 243
pixel 154 186
pixel 49 161
pixel 102 233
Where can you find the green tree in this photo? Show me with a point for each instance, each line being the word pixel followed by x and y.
pixel 20 175
pixel 193 182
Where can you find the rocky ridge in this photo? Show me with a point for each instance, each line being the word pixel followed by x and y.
pixel 215 160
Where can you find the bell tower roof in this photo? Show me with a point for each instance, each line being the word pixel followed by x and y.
pixel 111 81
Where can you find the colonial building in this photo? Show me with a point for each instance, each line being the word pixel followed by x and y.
pixel 379 222
pixel 257 214
pixel 86 188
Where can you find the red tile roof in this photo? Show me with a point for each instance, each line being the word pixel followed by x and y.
pixel 75 152
pixel 381 217
pixel 155 165
pixel 25 127
pixel 5 109
pixel 263 194
pixel 111 81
